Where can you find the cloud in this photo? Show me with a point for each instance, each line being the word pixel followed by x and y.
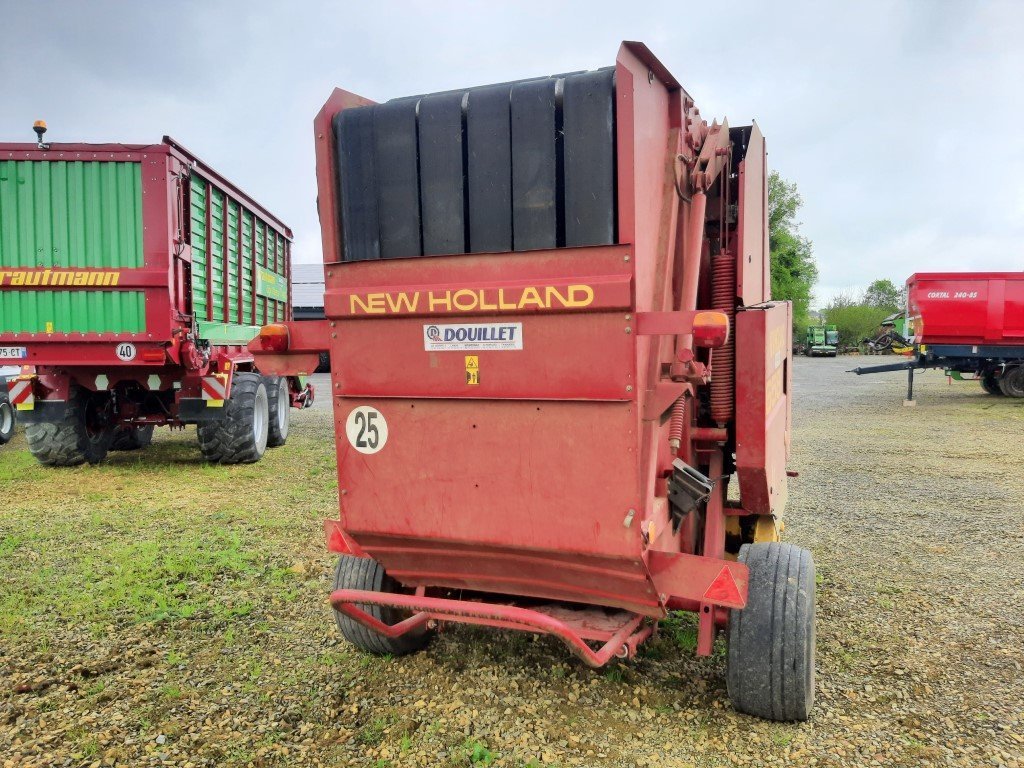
pixel 897 121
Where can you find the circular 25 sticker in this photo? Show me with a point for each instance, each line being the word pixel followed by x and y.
pixel 366 429
pixel 125 352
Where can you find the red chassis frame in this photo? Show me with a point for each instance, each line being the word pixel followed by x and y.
pixel 617 385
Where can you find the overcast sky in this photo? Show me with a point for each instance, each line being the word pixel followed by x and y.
pixel 900 122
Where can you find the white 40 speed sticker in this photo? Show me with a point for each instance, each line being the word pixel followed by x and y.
pixel 366 429
pixel 125 352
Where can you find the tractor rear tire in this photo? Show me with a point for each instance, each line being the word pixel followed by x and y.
pixel 7 419
pixel 367 574
pixel 132 438
pixel 72 441
pixel 772 640
pixel 240 435
pixel 280 408
pixel 990 382
pixel 1011 383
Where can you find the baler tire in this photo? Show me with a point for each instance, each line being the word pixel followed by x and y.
pixel 367 574
pixel 7 420
pixel 990 382
pixel 132 438
pixel 240 435
pixel 68 443
pixel 279 406
pixel 772 640
pixel 1011 383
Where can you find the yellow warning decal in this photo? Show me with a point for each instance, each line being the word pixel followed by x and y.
pixel 473 370
pixel 49 326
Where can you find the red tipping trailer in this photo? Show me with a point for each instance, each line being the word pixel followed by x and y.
pixel 553 349
pixel 967 322
pixel 967 308
pixel 132 278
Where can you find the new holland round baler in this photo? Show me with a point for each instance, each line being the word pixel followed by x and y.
pixel 131 279
pixel 554 351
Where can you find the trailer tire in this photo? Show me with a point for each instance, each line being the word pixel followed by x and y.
pixel 132 438
pixel 71 442
pixel 366 573
pixel 772 640
pixel 990 382
pixel 240 436
pixel 279 407
pixel 1011 383
pixel 7 419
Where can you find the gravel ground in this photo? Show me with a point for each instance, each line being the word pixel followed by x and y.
pixel 150 614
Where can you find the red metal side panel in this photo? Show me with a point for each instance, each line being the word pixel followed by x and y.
pixel 405 301
pixel 763 409
pixel 463 472
pixel 753 268
pixel 157 277
pixel 968 307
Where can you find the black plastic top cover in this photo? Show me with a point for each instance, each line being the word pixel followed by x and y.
pixel 510 167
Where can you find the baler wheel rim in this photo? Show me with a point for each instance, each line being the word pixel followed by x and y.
pixel 772 641
pixel 366 573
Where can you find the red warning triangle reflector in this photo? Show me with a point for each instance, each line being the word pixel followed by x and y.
pixel 723 589
pixel 336 543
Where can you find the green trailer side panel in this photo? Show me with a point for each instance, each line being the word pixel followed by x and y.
pixel 70 214
pixel 247 286
pixel 73 312
pixel 227 333
pixel 200 248
pixel 261 261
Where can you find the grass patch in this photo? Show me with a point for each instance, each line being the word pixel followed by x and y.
pixel 170 693
pixel 156 536
pixel 372 734
pixel 477 752
pixel 681 628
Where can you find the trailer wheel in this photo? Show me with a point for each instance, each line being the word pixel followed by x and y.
pixel 132 438
pixel 990 382
pixel 7 420
pixel 84 435
pixel 365 573
pixel 279 408
pixel 1011 383
pixel 240 436
pixel 772 640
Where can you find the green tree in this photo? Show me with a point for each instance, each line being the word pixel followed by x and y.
pixel 858 318
pixel 855 319
pixel 792 255
pixel 885 295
